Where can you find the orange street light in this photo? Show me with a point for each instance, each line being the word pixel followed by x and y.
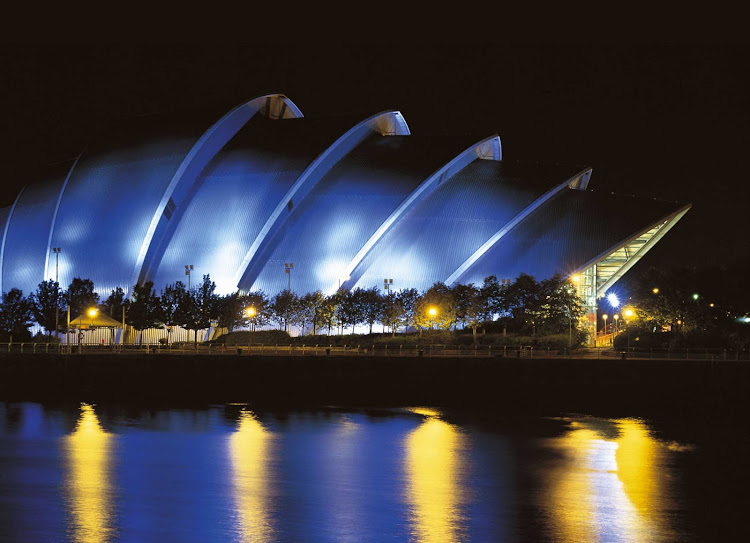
pixel 655 291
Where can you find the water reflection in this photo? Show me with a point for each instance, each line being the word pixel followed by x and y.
pixel 250 449
pixel 433 466
pixel 608 487
pixel 89 492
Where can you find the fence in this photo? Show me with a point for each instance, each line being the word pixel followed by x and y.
pixel 371 350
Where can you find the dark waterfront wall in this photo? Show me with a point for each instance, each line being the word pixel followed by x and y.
pixel 611 387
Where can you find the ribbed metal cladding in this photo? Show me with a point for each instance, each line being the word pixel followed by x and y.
pixel 328 228
pixel 4 214
pixel 112 195
pixel 28 234
pixel 446 228
pixel 237 191
pixel 567 232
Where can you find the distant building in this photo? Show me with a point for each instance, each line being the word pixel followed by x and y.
pixel 348 202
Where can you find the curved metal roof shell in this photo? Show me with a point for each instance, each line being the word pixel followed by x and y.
pixel 349 201
pixel 445 229
pixel 568 232
pixel 327 229
pixel 28 233
pixel 236 192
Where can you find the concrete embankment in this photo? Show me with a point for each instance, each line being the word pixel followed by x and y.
pixel 616 387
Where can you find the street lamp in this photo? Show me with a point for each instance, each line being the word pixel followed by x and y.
pixel 656 290
pixel 432 312
pixel 628 313
pixel 604 317
pixel 616 318
pixel 92 313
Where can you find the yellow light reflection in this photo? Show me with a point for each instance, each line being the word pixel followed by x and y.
pixel 433 468
pixel 89 488
pixel 249 449
pixel 610 484
pixel 639 458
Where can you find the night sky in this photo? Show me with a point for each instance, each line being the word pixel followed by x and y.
pixel 658 121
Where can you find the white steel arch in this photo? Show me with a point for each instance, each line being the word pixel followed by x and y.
pixel 54 217
pixel 388 123
pixel 5 236
pixel 182 187
pixel 488 149
pixel 578 182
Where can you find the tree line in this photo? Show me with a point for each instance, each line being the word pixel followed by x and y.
pixel 524 306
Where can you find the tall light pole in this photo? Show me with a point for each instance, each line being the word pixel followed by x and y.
pixel 628 314
pixel 605 316
pixel 388 285
pixel 288 267
pixel 188 269
pixel 57 250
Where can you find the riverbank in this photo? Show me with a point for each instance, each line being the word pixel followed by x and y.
pixel 543 386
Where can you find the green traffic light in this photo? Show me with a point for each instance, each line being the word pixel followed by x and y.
pixel 695 296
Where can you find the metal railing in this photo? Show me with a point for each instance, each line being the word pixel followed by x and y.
pixel 427 350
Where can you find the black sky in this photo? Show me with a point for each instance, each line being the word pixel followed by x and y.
pixel 665 121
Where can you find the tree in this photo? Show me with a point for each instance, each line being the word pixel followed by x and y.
pixel 316 301
pixel 524 300
pixel 494 298
pixel 202 306
pixel 172 304
pixel 48 302
pixel 352 307
pixel 230 311
pixel 304 311
pixel 407 299
pixel 282 308
pixel 393 314
pixel 144 307
pixel 560 306
pixel 259 302
pixel 371 303
pixel 115 303
pixel 81 296
pixel 471 307
pixel 326 316
pixel 440 299
pixel 16 314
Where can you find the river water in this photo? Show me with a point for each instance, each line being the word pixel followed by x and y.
pixel 93 473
